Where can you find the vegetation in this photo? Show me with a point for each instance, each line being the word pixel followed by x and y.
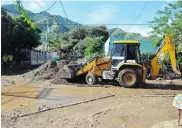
pixel 19 7
pixel 87 41
pixel 94 47
pixel 17 35
pixel 57 24
pixel 146 56
pixel 169 20
pixel 21 33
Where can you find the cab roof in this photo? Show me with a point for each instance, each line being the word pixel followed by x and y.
pixel 126 42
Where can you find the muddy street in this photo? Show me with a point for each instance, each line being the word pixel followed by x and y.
pixel 42 104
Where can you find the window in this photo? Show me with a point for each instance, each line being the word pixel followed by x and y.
pixel 138 55
pixel 131 54
pixel 118 50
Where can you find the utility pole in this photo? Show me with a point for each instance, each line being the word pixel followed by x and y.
pixel 46 45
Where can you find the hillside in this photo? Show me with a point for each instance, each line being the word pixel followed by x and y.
pixel 146 46
pixel 117 32
pixel 57 24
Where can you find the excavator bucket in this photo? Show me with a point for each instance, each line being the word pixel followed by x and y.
pixel 68 72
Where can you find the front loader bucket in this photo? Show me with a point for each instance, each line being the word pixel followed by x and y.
pixel 68 72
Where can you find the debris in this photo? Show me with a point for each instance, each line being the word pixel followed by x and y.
pixel 47 71
pixel 51 71
pixel 5 82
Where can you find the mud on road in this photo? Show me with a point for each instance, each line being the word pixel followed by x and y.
pixel 41 104
pixel 123 112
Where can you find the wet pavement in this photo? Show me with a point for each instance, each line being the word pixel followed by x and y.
pixel 42 100
pixel 24 96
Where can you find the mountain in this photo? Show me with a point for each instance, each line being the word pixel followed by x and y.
pixel 12 8
pixel 56 24
pixel 117 32
pixel 146 44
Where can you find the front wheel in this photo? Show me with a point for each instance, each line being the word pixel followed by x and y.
pixel 91 79
pixel 128 78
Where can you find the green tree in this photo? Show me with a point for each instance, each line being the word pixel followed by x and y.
pixel 54 43
pixel 19 7
pixel 26 37
pixel 17 35
pixel 7 25
pixel 168 21
pixel 96 31
pixel 75 40
pixel 79 33
pixel 94 47
pixel 80 46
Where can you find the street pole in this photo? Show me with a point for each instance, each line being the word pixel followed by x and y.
pixel 46 46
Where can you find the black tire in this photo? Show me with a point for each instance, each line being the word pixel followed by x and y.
pixel 132 78
pixel 91 79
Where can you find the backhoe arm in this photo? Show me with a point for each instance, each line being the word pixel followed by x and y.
pixel 168 46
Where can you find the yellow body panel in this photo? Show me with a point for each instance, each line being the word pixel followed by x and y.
pixel 168 46
pixel 126 42
pixel 128 64
pixel 96 66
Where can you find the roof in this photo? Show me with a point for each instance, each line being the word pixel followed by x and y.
pixel 126 42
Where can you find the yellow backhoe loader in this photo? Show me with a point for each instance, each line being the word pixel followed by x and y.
pixel 125 64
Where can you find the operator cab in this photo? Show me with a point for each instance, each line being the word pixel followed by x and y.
pixel 125 51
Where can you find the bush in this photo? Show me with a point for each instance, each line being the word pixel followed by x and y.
pixel 7 58
pixel 94 47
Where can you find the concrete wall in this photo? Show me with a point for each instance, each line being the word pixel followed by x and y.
pixel 40 57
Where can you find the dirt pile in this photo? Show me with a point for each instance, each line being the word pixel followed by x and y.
pixel 48 71
pixel 59 75
pixel 58 79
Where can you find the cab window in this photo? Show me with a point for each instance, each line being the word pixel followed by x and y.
pixel 131 53
pixel 118 50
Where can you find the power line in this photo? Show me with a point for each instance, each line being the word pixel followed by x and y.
pixel 36 2
pixel 63 9
pixel 94 24
pixel 140 12
pixel 50 7
pixel 46 9
pixel 32 13
pixel 114 24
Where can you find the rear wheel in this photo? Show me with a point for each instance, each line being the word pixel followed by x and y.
pixel 91 78
pixel 128 78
